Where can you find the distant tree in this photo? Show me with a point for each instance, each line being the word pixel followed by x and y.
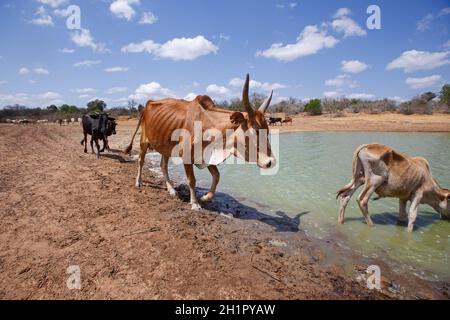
pixel 131 106
pixel 140 108
pixel 428 96
pixel 444 94
pixel 314 107
pixel 257 99
pixel 52 108
pixel 65 108
pixel 96 106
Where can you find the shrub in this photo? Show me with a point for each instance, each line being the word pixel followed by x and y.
pixel 314 107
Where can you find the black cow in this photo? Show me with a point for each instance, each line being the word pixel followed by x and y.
pixel 100 127
pixel 275 120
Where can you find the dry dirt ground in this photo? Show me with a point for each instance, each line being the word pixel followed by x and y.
pixel 60 207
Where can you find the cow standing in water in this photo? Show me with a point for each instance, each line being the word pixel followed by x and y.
pixel 163 119
pixel 100 127
pixel 390 173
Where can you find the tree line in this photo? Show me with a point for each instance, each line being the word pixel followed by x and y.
pixel 426 103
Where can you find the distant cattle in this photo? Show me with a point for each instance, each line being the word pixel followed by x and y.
pixel 288 120
pixel 390 173
pixel 274 121
pixel 99 127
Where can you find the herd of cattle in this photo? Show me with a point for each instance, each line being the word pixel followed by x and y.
pixel 378 168
pixel 44 121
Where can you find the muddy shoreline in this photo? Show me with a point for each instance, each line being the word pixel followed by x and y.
pixel 61 207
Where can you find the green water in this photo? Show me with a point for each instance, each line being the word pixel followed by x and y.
pixel 313 166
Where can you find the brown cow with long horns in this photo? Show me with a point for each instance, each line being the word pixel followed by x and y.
pixel 204 135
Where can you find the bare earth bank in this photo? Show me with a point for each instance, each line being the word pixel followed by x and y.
pixel 60 207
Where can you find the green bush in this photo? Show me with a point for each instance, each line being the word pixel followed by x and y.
pixel 314 107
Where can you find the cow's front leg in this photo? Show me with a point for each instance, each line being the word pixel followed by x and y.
pixel 413 211
pixel 143 151
pixel 215 180
pixel 92 144
pixel 402 210
pixel 165 171
pixel 189 168
pixel 98 148
pixel 105 143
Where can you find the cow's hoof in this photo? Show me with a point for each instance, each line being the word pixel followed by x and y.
pixel 173 192
pixel 138 185
pixel 207 198
pixel 410 228
pixel 196 207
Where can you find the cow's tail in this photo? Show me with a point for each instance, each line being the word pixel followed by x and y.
pixel 130 146
pixel 357 171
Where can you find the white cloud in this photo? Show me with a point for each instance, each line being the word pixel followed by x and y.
pixel 42 18
pixel 342 12
pixel 342 23
pixel 84 90
pixel 18 98
pixel 414 60
pixel 116 69
pixel 84 96
pixel 3 82
pixel 266 86
pixel 444 12
pixel 41 71
pixel 225 37
pixel 83 38
pixel 152 90
pixel 340 81
pixel 175 49
pixel 115 90
pixel 218 90
pixel 66 50
pixel 86 63
pixel 62 13
pixel 310 41
pixel 148 46
pixel 332 94
pixel 353 66
pixel 123 9
pixel 292 5
pixel 397 99
pixel 49 96
pixel 424 23
pixel 425 82
pixel 190 96
pixel 23 71
pixel 52 3
pixel 363 96
pixel 148 18
pixel 447 44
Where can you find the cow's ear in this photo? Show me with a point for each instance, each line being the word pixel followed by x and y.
pixel 237 118
pixel 111 119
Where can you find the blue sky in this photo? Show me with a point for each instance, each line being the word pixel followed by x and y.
pixel 137 49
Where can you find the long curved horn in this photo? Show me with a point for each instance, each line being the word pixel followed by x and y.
pixel 245 98
pixel 266 103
